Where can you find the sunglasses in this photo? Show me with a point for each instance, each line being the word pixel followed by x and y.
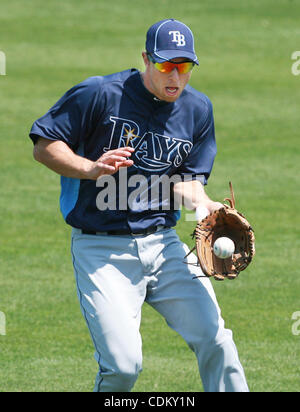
pixel 169 66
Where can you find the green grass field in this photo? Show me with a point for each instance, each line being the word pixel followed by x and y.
pixel 245 53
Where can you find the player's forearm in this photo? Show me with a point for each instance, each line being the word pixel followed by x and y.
pixel 192 194
pixel 57 156
pixel 61 159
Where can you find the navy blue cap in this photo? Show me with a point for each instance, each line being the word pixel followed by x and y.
pixel 168 39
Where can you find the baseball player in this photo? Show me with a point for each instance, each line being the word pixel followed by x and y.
pixel 113 139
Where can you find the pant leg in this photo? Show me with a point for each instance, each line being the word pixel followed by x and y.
pixel 190 307
pixel 111 291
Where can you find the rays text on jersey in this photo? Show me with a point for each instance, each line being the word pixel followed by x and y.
pixel 154 152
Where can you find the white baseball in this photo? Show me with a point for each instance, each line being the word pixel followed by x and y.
pixel 223 247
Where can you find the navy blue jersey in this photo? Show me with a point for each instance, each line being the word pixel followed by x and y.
pixel 104 113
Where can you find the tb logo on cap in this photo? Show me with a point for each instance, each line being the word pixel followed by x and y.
pixel 177 37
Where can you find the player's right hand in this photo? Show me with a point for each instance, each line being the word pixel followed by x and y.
pixel 110 162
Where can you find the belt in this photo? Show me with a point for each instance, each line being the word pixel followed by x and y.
pixel 148 231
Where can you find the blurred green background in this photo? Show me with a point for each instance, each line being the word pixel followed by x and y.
pixel 245 50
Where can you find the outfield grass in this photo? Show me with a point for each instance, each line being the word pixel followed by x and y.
pixel 245 53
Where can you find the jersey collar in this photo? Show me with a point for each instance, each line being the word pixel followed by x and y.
pixel 141 89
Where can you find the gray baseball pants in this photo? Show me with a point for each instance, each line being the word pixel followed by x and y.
pixel 115 275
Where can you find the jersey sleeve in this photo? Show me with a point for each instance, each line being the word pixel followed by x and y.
pixel 73 116
pixel 200 160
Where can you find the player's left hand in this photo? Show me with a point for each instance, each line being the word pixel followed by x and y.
pixel 224 221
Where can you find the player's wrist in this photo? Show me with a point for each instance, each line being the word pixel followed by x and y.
pixel 205 208
pixel 87 169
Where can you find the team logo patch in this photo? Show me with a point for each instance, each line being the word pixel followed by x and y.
pixel 178 38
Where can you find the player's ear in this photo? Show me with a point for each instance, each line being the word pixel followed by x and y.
pixel 145 58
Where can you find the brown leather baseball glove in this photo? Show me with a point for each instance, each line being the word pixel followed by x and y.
pixel 230 223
